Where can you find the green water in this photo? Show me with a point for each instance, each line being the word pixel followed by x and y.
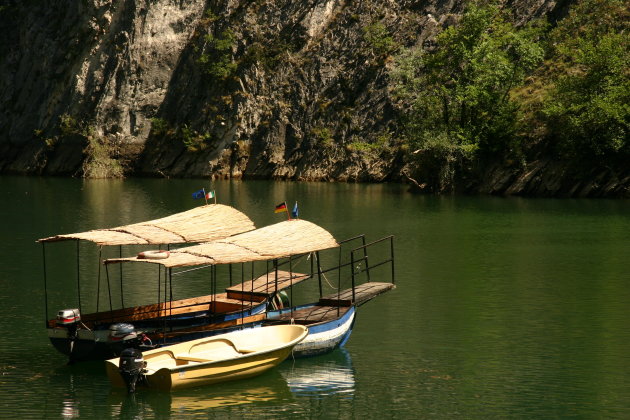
pixel 505 308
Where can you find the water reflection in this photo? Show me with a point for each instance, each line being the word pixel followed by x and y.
pixel 70 386
pixel 322 376
pixel 270 388
pixel 513 308
pixel 70 409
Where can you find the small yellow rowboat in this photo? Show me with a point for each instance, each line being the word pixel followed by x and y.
pixel 225 357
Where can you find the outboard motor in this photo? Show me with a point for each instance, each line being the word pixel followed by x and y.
pixel 124 332
pixel 70 319
pixel 132 368
pixel 122 336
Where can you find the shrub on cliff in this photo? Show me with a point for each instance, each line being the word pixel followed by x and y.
pixel 216 57
pixel 99 160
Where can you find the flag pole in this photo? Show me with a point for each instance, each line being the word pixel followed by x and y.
pixel 214 193
pixel 287 209
pixel 204 195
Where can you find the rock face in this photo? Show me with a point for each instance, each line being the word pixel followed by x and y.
pixel 106 64
pixel 223 88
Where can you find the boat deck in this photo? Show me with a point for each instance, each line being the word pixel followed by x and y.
pixel 311 315
pixel 219 303
pixel 263 287
pixel 333 306
pixel 362 293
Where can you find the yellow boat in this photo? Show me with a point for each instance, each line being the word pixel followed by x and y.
pixel 225 357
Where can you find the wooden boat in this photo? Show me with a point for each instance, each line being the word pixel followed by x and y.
pixel 288 240
pixel 236 355
pixel 331 318
pixel 87 336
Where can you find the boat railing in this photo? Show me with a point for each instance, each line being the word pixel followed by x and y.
pixel 360 263
pixel 364 247
pixel 357 260
pixel 346 264
pixel 340 265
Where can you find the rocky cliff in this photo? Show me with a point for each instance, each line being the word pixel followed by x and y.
pixel 223 88
pixel 103 64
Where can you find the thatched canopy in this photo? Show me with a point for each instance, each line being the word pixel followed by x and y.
pixel 283 239
pixel 201 224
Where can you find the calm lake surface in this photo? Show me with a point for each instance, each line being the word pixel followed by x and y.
pixel 504 307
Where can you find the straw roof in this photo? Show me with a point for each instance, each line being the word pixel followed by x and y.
pixel 201 224
pixel 283 239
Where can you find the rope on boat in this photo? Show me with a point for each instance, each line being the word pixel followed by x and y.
pixel 328 282
pixel 191 269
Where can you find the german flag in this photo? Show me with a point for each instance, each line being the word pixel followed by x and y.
pixel 281 207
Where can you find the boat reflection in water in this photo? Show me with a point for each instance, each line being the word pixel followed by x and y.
pixel 317 377
pixel 271 388
pixel 321 376
pixel 184 404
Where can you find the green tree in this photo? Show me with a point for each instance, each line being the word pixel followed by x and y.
pixel 588 110
pixel 455 100
pixel 216 59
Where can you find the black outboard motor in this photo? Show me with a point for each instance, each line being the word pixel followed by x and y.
pixel 132 368
pixel 122 336
pixel 122 331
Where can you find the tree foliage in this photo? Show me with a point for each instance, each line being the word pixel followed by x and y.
pixel 588 110
pixel 468 97
pixel 455 99
pixel 217 60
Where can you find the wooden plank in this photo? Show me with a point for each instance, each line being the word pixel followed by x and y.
pixel 363 293
pixel 200 303
pixel 264 286
pixel 313 314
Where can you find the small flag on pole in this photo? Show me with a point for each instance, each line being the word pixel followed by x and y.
pixel 294 212
pixel 199 194
pixel 211 194
pixel 281 207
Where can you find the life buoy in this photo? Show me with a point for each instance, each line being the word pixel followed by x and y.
pixel 153 255
pixel 281 300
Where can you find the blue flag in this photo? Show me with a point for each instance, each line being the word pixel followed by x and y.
pixel 294 212
pixel 199 194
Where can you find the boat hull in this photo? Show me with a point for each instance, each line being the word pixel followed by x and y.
pixel 323 337
pixel 260 350
pixel 89 345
